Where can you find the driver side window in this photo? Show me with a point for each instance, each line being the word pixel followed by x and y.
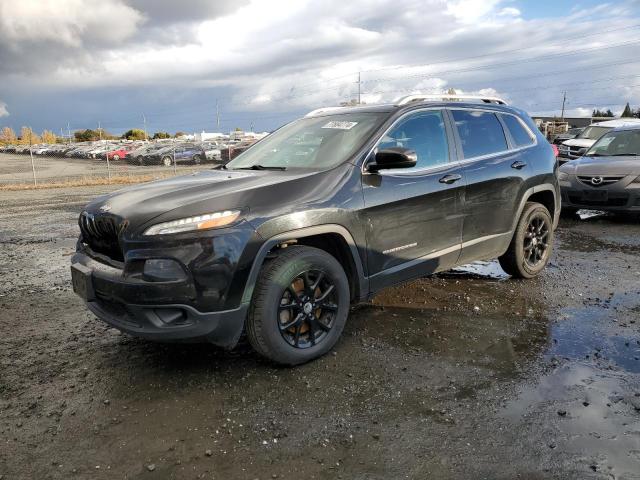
pixel 423 132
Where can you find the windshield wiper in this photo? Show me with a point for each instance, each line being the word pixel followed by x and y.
pixel 261 167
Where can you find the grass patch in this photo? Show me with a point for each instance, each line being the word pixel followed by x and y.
pixel 86 182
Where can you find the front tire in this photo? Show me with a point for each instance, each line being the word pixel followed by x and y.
pixel 167 161
pixel 300 306
pixel 532 243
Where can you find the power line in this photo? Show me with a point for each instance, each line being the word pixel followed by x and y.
pixel 502 52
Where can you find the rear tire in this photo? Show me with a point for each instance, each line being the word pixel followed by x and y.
pixel 167 161
pixel 287 294
pixel 532 243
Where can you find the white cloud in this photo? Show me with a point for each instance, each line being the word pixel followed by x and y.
pixel 69 22
pixel 304 53
pixel 471 11
pixel 3 109
pixel 509 12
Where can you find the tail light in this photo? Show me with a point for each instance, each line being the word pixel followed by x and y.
pixel 556 152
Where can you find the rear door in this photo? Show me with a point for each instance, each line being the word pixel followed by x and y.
pixel 413 216
pixel 495 169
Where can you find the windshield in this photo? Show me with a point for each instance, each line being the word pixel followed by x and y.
pixel 593 133
pixel 623 142
pixel 311 143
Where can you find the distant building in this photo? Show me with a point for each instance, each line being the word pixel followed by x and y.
pixel 204 136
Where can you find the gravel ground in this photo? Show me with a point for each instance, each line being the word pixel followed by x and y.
pixel 463 375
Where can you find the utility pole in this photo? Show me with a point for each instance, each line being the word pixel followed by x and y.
pixel 217 116
pixel 99 131
pixel 359 83
pixel 144 121
pixel 69 131
pixel 564 98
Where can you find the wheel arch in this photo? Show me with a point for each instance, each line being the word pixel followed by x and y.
pixel 332 238
pixel 544 194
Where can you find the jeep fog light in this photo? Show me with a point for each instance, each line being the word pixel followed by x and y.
pixel 200 222
pixel 163 270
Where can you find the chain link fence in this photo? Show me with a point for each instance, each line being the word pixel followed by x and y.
pixel 28 169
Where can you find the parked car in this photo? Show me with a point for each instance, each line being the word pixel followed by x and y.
pixel 212 151
pixel 118 153
pixel 577 146
pixel 137 156
pixel 178 153
pixel 568 135
pixel 607 177
pixel 279 244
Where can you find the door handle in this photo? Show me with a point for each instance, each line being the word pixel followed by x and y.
pixel 518 165
pixel 451 178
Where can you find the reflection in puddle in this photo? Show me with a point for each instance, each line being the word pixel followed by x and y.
pixel 582 336
pixel 588 413
pixel 489 270
pixel 585 214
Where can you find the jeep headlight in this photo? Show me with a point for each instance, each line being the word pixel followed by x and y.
pixel 199 222
pixel 563 176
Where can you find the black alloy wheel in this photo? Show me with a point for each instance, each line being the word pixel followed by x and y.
pixel 307 309
pixel 535 244
pixel 531 244
pixel 299 306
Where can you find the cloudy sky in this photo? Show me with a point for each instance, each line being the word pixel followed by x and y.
pixel 80 62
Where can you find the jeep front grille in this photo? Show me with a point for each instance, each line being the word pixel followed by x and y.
pixel 100 233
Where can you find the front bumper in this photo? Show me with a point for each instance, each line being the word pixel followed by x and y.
pixel 166 316
pixel 575 195
pixel 201 303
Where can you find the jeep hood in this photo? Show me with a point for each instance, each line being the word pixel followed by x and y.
pixel 207 192
pixel 603 166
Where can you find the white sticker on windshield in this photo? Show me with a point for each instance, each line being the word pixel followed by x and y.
pixel 341 125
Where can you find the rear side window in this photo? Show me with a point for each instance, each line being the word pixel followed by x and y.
pixel 520 136
pixel 480 132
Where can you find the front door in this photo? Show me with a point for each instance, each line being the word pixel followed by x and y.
pixel 413 216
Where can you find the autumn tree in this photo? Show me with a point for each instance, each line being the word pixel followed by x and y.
pixel 28 136
pixel 135 134
pixel 49 137
pixel 8 135
pixel 86 135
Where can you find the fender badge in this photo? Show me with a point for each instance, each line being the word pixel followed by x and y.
pixel 105 208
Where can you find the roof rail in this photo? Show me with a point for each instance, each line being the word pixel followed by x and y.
pixel 322 110
pixel 448 97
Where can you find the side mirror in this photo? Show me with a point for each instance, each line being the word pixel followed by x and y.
pixel 394 157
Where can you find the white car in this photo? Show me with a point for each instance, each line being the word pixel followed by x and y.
pixel 577 147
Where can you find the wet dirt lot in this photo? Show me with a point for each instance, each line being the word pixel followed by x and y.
pixel 464 375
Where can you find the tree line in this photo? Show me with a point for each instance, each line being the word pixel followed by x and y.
pixel 628 112
pixel 29 137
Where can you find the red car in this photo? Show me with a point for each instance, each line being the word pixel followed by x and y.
pixel 118 154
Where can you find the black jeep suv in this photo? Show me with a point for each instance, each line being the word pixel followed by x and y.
pixel 322 213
